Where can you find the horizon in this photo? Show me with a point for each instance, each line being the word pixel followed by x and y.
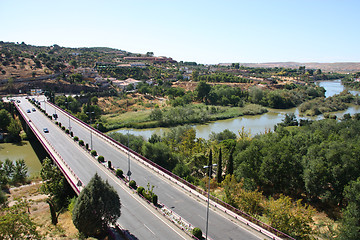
pixel 206 32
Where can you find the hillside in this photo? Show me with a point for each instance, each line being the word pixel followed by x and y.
pixel 342 67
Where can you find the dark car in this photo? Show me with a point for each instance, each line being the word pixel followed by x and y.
pixel 28 111
pixel 46 130
pixel 33 109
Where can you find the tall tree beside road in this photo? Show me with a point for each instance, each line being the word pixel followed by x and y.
pixel 5 119
pixel 219 170
pixel 97 206
pixel 56 187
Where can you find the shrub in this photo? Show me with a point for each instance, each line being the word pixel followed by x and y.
pixel 81 143
pixel 101 158
pixel 59 124
pixel 109 165
pixel 63 128
pixel 76 138
pixel 71 134
pixel 50 117
pixel 132 184
pixel 155 199
pixel 67 131
pixel 119 173
pixel 197 233
pixel 140 190
pixel 93 152
pixel 87 146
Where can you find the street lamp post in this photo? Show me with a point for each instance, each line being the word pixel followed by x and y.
pixel 207 210
pixel 91 145
pixel 128 145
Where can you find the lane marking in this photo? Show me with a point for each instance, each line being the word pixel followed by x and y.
pixel 149 229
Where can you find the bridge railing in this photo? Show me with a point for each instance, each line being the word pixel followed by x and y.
pixel 45 145
pixel 231 210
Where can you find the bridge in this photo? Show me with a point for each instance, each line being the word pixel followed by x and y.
pixel 138 219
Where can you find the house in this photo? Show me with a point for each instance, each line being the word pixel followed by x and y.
pixel 123 84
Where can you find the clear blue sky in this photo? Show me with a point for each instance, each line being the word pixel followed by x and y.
pixel 220 31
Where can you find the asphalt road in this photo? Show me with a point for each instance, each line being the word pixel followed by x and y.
pixel 137 217
pixel 186 206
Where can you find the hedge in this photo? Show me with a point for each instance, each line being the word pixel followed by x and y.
pixel 197 233
pixel 101 158
pixel 132 184
pixel 119 173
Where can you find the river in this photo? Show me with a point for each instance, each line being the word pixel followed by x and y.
pixel 254 124
pixel 22 150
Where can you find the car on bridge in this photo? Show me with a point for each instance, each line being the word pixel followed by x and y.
pixel 33 109
pixel 28 111
pixel 46 130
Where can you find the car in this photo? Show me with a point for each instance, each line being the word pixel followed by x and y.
pixel 28 111
pixel 46 130
pixel 18 101
pixel 33 109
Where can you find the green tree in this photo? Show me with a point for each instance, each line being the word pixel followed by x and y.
pixel 292 218
pixel 97 206
pixel 5 119
pixel 15 223
pixel 20 171
pixel 219 168
pixel 203 90
pixel 230 163
pixel 14 130
pixel 56 186
pixel 350 224
pixel 73 63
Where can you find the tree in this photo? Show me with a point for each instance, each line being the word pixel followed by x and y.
pixel 15 223
pixel 5 119
pixel 203 90
pixel 230 163
pixel 219 170
pixel 14 130
pixel 350 226
pixel 55 185
pixel 97 206
pixel 20 171
pixel 292 218
pixel 73 63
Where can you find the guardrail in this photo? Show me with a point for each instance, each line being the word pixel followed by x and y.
pixel 73 185
pixel 225 207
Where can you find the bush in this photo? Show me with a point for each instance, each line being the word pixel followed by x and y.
pixel 87 146
pixel 81 143
pixel 109 165
pixel 57 123
pixel 67 131
pixel 197 233
pixel 50 117
pixel 76 138
pixel 155 199
pixel 119 173
pixel 71 134
pixel 101 158
pixel 140 190
pixel 93 152
pixel 63 128
pixel 132 184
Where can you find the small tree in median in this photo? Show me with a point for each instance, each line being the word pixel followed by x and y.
pixel 97 206
pixel 197 233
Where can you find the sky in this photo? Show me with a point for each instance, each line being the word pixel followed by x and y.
pixel 207 32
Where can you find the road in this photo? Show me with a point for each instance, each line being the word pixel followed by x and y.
pixel 184 204
pixel 137 217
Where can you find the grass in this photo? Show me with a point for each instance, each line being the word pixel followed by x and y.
pixel 194 113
